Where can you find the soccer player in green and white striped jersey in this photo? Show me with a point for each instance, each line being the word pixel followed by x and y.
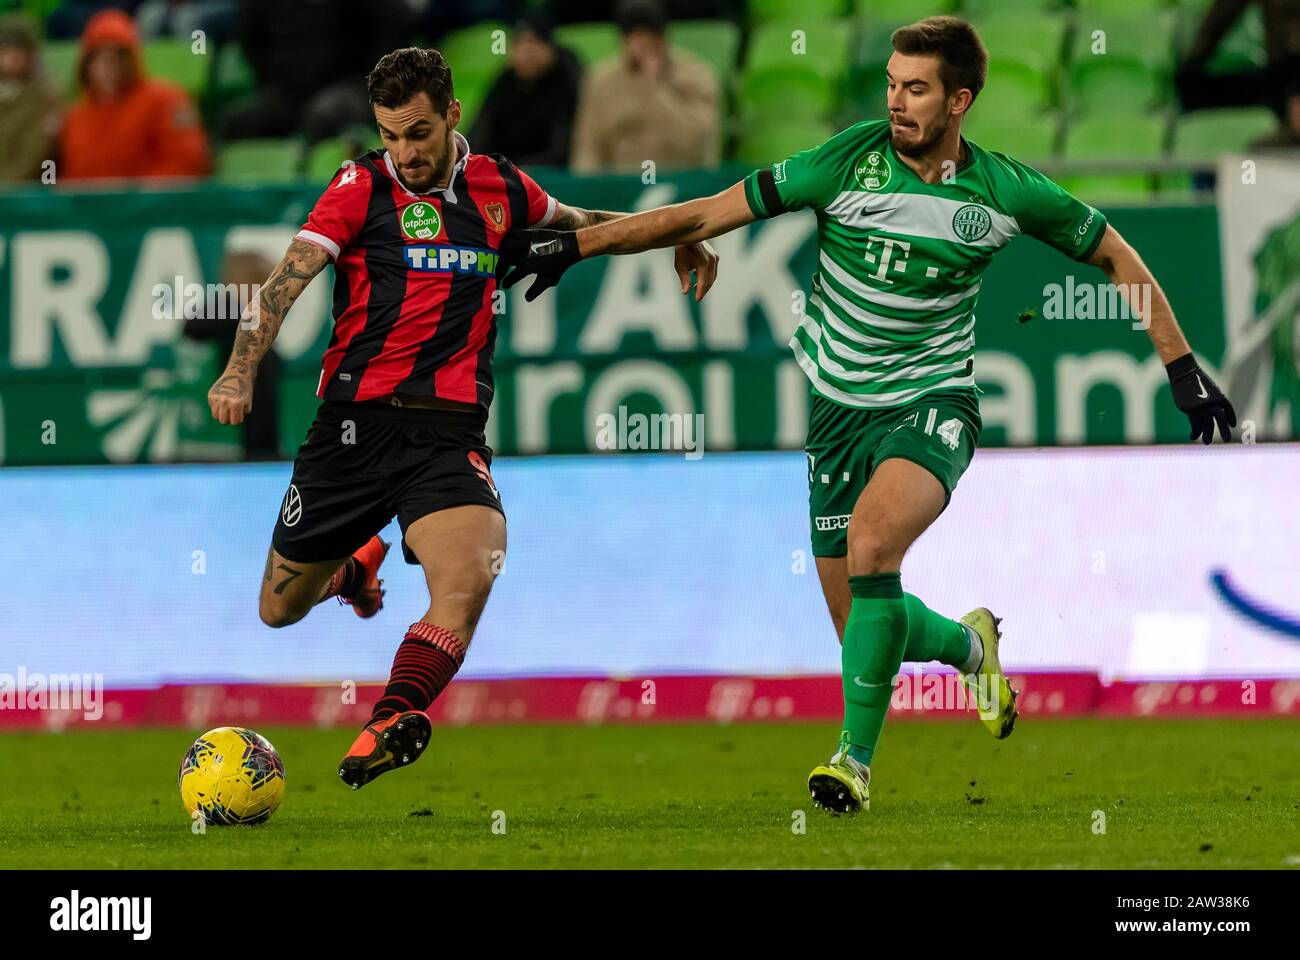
pixel 909 215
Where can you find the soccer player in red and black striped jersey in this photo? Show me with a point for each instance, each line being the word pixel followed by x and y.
pixel 415 232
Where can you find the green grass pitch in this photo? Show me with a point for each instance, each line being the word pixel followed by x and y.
pixel 1174 793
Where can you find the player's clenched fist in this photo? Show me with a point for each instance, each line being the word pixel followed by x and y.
pixel 231 397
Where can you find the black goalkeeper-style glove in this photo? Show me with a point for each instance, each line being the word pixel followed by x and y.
pixel 1200 398
pixel 546 253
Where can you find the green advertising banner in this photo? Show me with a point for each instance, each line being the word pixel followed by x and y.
pixel 94 286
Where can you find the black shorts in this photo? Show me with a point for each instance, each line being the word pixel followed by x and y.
pixel 364 463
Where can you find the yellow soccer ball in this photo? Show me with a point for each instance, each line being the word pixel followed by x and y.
pixel 233 775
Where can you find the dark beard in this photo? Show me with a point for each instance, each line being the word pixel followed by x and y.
pixel 919 149
pixel 441 173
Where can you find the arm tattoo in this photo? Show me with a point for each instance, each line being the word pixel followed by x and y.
pixel 575 218
pixel 263 317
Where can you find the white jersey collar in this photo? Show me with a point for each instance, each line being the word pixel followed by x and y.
pixel 462 157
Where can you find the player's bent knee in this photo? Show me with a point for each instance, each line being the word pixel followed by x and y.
pixel 278 614
pixel 871 552
pixel 457 607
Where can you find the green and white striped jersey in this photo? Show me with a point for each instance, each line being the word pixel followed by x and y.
pixel 891 316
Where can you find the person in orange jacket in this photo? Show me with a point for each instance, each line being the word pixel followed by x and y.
pixel 126 124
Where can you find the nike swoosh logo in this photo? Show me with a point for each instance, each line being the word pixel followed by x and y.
pixel 541 248
pixel 858 681
pixel 1202 394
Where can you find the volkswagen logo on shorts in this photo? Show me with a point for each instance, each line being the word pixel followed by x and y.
pixel 291 512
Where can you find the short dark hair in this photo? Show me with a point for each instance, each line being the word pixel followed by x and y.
pixel 17 31
pixel 402 75
pixel 642 15
pixel 963 61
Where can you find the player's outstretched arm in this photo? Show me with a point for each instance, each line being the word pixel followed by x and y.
pixel 1194 392
pixel 231 397
pixel 686 226
pixel 575 218
pixel 693 221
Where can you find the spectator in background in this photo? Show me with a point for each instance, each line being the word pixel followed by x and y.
pixel 30 107
pixel 1276 85
pixel 261 427
pixel 651 102
pixel 126 124
pixel 311 58
pixel 528 113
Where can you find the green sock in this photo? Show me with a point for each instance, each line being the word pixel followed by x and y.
pixel 874 640
pixel 934 637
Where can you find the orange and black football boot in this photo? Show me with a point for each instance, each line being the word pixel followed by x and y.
pixel 386 745
pixel 368 599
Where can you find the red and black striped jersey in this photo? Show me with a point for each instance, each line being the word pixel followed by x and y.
pixel 415 275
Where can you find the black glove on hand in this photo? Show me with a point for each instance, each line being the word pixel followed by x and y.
pixel 546 253
pixel 1197 396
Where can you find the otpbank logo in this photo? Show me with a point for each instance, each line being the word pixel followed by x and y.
pixel 448 259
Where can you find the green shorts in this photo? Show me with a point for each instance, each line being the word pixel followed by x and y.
pixel 845 445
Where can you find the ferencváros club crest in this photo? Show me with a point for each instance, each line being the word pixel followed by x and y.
pixel 873 171
pixel 971 222
pixel 420 221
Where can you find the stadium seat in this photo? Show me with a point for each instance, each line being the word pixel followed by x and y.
pixel 1037 40
pixel 865 98
pixel 811 11
pixel 1203 135
pixel 1103 189
pixel 476 55
pixel 1100 138
pixel 788 91
pixel 470 52
pixel 232 77
pixel 325 158
pixel 1031 141
pixel 767 143
pixel 898 12
pixel 1147 38
pixel 60 57
pixel 871 50
pixel 592 42
pixel 975 9
pixel 234 74
pixel 1123 6
pixel 175 61
pixel 259 161
pixel 1014 90
pixel 825 46
pixel 779 80
pixel 38 10
pixel 714 41
pixel 1116 85
pixel 471 91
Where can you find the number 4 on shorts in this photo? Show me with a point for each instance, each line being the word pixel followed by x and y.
pixel 949 431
